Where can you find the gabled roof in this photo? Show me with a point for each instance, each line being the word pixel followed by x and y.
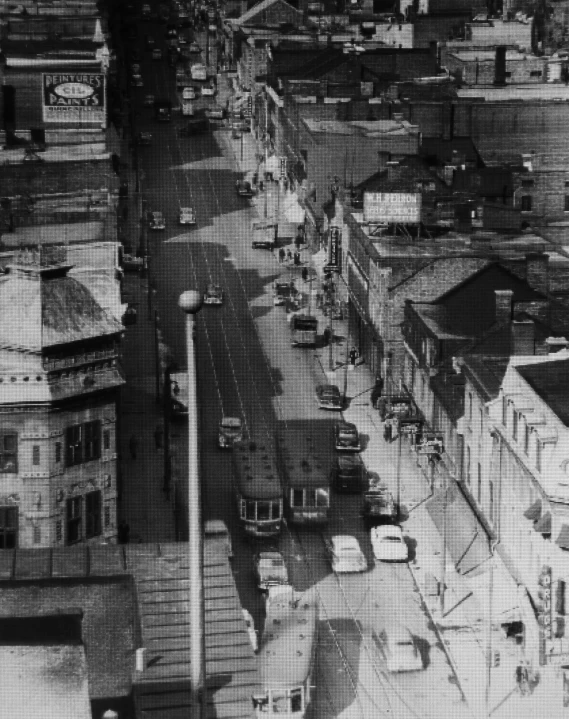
pixel 439 277
pixel 550 380
pixel 261 7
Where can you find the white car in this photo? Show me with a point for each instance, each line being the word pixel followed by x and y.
pixel 345 554
pixel 388 544
pixel 399 650
pixel 187 216
pixel 188 93
pixel 156 221
pixel 208 91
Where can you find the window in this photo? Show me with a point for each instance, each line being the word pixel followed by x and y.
pixel 535 73
pixel 263 511
pixel 37 534
pixel 538 455
pixel 107 512
pixel 481 419
pixel 58 530
pixel 58 452
pixel 74 520
pixel 479 483
pixel 566 203
pixel 276 510
pixel 93 514
pixel 527 183
pixel 36 455
pixel 106 439
pixel 8 527
pixel 296 700
pixel 8 453
pixel 527 434
pixel 515 417
pixel 470 406
pixel 504 411
pixel 297 498
pixel 526 203
pixel 83 442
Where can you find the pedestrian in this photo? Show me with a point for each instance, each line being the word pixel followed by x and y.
pixel 123 532
pixel 133 446
pixel 388 429
pixel 261 185
pixel 289 256
pixel 353 355
pixel 304 274
pixel 376 391
pixel 297 258
pixel 159 436
pixel 282 255
pixel 327 335
pixel 298 242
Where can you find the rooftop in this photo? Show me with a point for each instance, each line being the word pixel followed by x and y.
pixel 522 93
pixel 550 380
pixel 362 128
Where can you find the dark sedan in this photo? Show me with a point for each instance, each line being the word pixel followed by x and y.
pixel 329 397
pixel 346 437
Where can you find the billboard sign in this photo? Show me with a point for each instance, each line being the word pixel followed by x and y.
pixel 334 254
pixel 74 97
pixel 390 207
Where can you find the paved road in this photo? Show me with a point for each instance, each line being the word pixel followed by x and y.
pixel 247 367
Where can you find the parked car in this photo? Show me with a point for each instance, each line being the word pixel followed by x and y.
pixel 398 648
pixel 216 531
pixel 148 101
pixel 157 54
pixel 132 263
pixel 156 221
pixel 329 397
pixel 379 503
pixel 144 138
pixel 195 48
pixel 345 554
pixel 213 295
pixel 388 544
pixel 270 570
pixel 230 431
pixel 187 216
pixel 188 93
pixel 349 473
pixel 244 188
pixel 283 291
pixel 208 91
pixel 346 437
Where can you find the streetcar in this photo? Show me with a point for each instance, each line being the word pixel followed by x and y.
pixel 305 471
pixel 304 330
pixel 258 488
pixel 287 654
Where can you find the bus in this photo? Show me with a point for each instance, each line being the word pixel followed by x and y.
pixel 304 329
pixel 305 472
pixel 258 488
pixel 287 654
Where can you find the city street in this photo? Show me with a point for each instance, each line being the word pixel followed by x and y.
pixel 247 368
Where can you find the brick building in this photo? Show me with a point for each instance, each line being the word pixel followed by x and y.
pixel 58 406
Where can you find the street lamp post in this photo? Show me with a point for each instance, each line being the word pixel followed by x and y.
pixel 191 302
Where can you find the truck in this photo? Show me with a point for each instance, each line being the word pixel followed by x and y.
pixel 163 110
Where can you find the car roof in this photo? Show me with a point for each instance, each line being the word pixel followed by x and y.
pixel 328 388
pixel 231 421
pixel 186 209
pixel 349 460
pixel 270 555
pixel 341 541
pixel 213 286
pixel 387 530
pixel 346 426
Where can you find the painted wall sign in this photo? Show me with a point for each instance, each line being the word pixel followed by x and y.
pixel 74 97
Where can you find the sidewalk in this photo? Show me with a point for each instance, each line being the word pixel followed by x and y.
pixel 143 503
pixel 463 628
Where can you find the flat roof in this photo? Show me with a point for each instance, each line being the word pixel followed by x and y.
pixel 522 93
pixel 490 56
pixel 363 128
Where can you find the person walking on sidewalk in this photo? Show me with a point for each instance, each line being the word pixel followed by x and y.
pixel 282 255
pixel 289 256
pixel 376 391
pixel 159 436
pixel 133 446
pixel 353 357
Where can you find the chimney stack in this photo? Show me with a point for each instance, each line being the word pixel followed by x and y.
pixel 537 271
pixel 393 170
pixel 500 66
pixel 503 305
pixel 523 337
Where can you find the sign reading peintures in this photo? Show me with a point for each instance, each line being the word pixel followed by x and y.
pixel 74 98
pixel 401 207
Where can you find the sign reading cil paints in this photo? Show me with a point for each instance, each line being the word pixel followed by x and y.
pixel 77 97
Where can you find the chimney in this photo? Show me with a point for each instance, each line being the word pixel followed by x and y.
pixel 503 305
pixel 537 271
pixel 523 337
pixel 393 170
pixel 500 66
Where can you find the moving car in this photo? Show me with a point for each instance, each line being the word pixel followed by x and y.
pixel 157 54
pixel 230 431
pixel 198 72
pixel 270 570
pixel 213 295
pixel 398 647
pixel 345 554
pixel 148 101
pixel 188 93
pixel 378 502
pixel 216 531
pixel 388 544
pixel 244 188
pixel 283 291
pixel 187 216
pixel 349 473
pixel 156 221
pixel 195 48
pixel 329 397
pixel 346 437
pixel 144 138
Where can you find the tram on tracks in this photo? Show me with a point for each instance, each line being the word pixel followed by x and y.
pixel 258 488
pixel 287 654
pixel 305 473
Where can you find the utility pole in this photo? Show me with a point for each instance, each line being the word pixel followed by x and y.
pixel 191 302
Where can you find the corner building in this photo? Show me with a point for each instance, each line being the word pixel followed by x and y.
pixel 59 384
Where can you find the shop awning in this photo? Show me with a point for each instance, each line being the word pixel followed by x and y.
pixel 563 537
pixel 534 511
pixel 466 538
pixel 272 164
pixel 505 600
pixel 293 210
pixel 543 525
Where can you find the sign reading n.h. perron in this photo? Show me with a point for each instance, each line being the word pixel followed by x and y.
pixel 334 253
pixel 77 97
pixel 392 207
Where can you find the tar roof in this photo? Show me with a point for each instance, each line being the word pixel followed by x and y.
pixel 256 472
pixel 288 641
pixel 550 380
pixel 302 459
